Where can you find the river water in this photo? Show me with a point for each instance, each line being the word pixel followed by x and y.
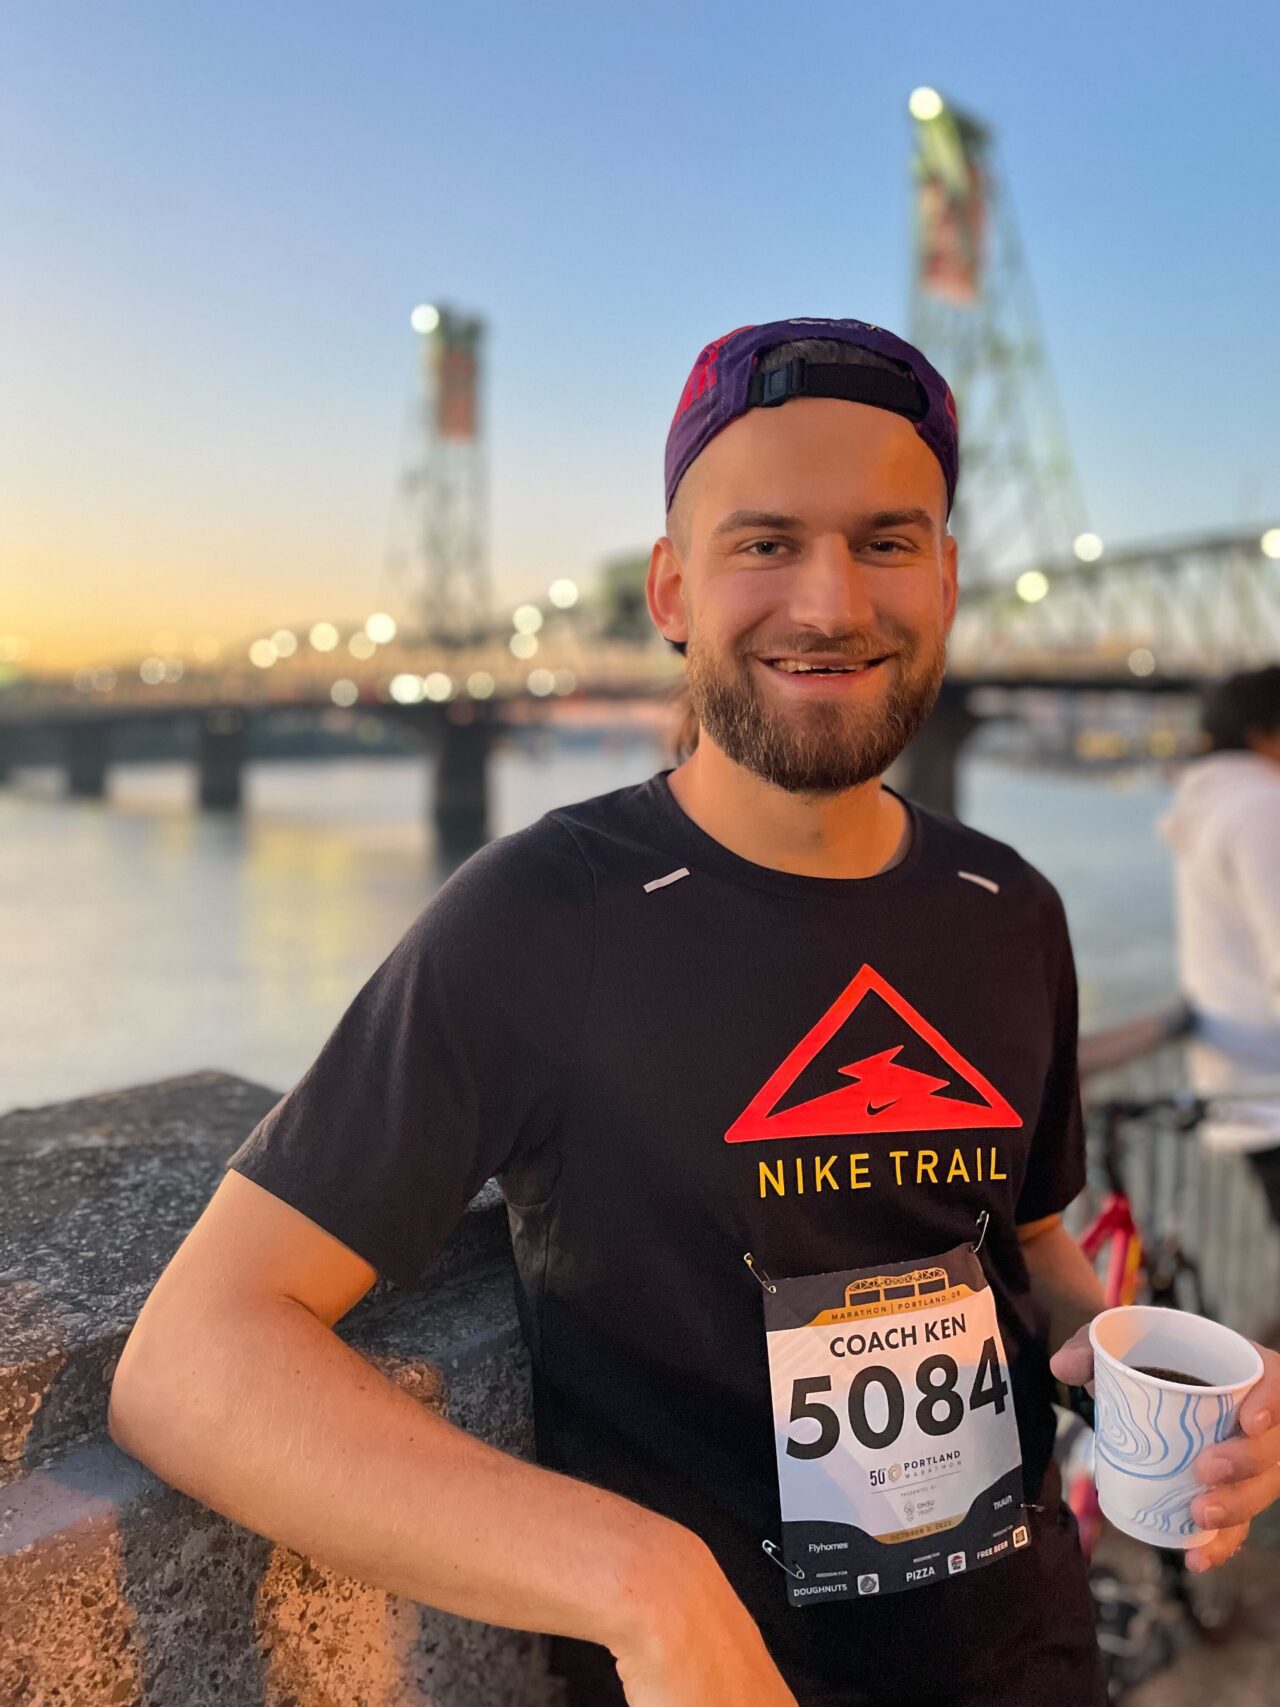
pixel 140 938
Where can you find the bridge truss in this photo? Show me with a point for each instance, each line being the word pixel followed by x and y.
pixel 1194 608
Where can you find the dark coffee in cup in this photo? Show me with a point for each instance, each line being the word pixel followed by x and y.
pixel 1170 1375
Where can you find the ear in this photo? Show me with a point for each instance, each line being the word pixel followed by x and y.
pixel 664 590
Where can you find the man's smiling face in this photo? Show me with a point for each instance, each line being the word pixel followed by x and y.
pixel 814 532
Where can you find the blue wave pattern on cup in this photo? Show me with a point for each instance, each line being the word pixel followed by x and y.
pixel 1154 1433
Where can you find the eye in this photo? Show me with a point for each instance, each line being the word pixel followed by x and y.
pixel 893 545
pixel 771 546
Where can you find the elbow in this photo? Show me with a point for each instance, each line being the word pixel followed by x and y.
pixel 121 1415
pixel 132 1401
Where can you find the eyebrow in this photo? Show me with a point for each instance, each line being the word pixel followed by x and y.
pixel 738 519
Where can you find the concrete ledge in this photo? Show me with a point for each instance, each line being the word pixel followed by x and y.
pixel 116 1588
pixel 95 1197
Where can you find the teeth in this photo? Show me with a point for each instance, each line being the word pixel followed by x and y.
pixel 794 668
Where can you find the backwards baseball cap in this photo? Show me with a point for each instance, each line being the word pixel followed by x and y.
pixel 725 383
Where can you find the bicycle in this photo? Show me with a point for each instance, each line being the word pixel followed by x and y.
pixel 1140 1625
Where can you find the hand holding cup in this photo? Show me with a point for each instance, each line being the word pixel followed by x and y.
pixel 1230 1460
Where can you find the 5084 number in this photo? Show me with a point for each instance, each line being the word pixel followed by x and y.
pixel 938 1411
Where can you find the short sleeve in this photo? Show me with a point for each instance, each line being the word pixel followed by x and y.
pixel 448 1064
pixel 1056 1162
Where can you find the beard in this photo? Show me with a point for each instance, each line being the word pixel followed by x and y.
pixel 830 745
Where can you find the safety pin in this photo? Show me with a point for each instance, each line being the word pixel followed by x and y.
pixel 983 1220
pixel 759 1273
pixel 775 1553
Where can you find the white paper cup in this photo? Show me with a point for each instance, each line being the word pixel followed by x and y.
pixel 1148 1431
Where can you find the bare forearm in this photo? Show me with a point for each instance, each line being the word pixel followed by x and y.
pixel 272 1420
pixel 1063 1282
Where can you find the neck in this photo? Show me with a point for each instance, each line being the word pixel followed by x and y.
pixel 851 834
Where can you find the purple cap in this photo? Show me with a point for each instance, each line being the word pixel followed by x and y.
pixel 724 384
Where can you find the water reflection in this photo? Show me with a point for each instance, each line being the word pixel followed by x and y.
pixel 142 939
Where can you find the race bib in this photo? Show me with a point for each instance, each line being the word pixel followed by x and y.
pixel 897 1443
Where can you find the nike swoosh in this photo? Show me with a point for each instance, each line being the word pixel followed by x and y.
pixel 872 1109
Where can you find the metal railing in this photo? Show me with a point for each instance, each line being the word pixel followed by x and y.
pixel 1210 1200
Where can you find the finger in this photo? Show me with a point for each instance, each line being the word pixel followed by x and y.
pixel 1237 1502
pixel 1217 1551
pixel 1073 1360
pixel 1261 1408
pixel 1239 1457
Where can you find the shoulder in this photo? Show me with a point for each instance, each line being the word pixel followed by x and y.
pixel 517 899
pixel 506 941
pixel 538 865
pixel 544 879
pixel 971 857
pixel 1251 810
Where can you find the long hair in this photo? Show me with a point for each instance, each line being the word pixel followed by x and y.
pixel 683 727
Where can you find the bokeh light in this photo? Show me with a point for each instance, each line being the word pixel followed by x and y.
pixel 924 103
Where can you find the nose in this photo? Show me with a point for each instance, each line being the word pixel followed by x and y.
pixel 831 591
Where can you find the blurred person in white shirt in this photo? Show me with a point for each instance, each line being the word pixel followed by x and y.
pixel 1224 830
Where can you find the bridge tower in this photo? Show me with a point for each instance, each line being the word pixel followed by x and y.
pixel 441 573
pixel 974 315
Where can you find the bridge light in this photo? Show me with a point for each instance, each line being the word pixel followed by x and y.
pixel 152 671
pixel 563 593
pixel 381 628
pixel 1032 586
pixel 438 685
pixel 360 646
pixel 406 689
pixel 480 684
pixel 323 636
pixel 1141 661
pixel 285 643
pixel 344 692
pixel 1270 543
pixel 424 318
pixel 173 669
pixel 526 618
pixel 565 681
pixel 924 103
pixel 541 682
pixel 104 679
pixel 523 645
pixel 263 654
pixel 1087 547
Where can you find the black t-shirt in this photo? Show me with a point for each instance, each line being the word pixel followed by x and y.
pixel 642 1035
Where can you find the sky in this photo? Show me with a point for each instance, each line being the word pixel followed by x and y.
pixel 215 220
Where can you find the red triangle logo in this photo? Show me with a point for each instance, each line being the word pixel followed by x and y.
pixel 883 1096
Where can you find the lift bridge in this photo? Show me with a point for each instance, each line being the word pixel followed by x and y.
pixel 1045 607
